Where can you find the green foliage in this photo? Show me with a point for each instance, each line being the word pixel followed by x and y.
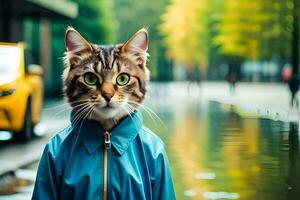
pixel 278 26
pixel 95 22
pixel 197 32
pixel 254 29
pixel 135 14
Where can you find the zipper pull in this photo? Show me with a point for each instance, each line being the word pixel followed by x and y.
pixel 107 141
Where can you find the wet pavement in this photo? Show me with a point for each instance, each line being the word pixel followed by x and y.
pixel 215 151
pixel 217 154
pixel 18 185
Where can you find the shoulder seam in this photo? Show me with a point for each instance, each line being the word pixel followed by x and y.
pixel 147 130
pixel 56 134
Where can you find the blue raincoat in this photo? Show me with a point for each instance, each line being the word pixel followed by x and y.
pixel 85 162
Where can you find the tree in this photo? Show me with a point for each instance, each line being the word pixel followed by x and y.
pixel 295 36
pixel 201 32
pixel 276 30
pixel 241 28
pixel 135 14
pixel 186 35
pixel 95 22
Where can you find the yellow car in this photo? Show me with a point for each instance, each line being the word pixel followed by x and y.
pixel 21 92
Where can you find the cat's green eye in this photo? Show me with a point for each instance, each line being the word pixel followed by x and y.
pixel 123 79
pixel 90 78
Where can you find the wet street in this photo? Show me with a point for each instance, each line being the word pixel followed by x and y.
pixel 215 150
pixel 217 154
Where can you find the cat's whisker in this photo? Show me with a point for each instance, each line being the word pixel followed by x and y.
pixel 89 109
pixel 64 104
pixel 62 111
pixel 81 118
pixel 67 109
pixel 79 114
pixel 149 113
pixel 148 110
pixel 129 114
pixel 137 105
pixel 56 106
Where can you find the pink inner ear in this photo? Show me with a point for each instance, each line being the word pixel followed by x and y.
pixel 69 44
pixel 141 40
pixel 145 44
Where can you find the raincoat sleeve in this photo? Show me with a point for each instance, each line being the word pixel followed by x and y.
pixel 47 181
pixel 163 185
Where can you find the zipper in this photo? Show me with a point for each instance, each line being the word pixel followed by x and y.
pixel 107 146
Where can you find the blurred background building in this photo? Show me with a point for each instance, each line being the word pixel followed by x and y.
pixel 30 21
pixel 189 40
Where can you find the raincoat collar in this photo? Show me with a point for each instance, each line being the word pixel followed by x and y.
pixel 91 132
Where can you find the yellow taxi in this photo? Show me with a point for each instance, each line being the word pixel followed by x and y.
pixel 21 92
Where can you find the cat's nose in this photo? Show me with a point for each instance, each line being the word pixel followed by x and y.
pixel 107 91
pixel 107 96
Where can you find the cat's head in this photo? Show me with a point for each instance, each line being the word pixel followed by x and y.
pixel 105 81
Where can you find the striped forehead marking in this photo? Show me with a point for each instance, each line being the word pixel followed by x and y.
pixel 107 57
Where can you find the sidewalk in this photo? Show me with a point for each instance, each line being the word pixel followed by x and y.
pixel 15 155
pixel 266 100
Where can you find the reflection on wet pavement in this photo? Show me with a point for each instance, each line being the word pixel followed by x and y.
pixel 11 185
pixel 18 185
pixel 215 153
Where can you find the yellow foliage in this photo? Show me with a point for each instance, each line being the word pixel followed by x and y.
pixel 251 29
pixel 184 32
pixel 241 27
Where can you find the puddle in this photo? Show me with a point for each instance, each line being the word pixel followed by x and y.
pixel 216 152
pixel 10 184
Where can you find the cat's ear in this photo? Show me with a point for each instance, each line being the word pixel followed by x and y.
pixel 75 43
pixel 136 47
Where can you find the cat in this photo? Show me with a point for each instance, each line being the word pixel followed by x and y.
pixel 106 152
pixel 105 83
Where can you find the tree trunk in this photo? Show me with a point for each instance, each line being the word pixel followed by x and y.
pixel 295 38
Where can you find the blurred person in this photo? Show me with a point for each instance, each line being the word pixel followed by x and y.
pixel 286 73
pixel 194 77
pixel 294 87
pixel 232 79
pixel 106 152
